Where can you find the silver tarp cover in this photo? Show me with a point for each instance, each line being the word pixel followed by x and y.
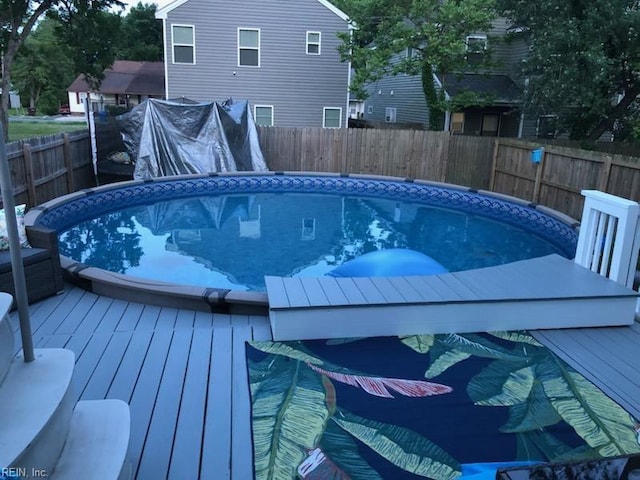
pixel 171 138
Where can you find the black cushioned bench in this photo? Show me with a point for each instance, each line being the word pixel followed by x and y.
pixel 41 265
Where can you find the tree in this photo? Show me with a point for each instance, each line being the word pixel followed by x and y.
pixel 80 17
pixel 434 30
pixel 141 35
pixel 584 61
pixel 43 68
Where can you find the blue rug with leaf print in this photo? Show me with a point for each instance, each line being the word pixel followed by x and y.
pixel 428 406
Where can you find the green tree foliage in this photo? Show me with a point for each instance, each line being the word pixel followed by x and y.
pixel 93 38
pixel 584 61
pixel 19 17
pixel 434 30
pixel 43 69
pixel 141 35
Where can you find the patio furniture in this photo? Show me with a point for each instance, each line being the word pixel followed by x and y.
pixel 41 265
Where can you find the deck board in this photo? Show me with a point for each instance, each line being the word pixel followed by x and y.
pixel 144 396
pixel 216 444
pixel 313 291
pixel 185 456
pixel 155 459
pixel 241 446
pixel 126 377
pixel 186 382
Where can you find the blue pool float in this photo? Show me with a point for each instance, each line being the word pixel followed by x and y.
pixel 394 262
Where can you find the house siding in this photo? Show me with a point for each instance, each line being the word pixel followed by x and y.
pixel 296 84
pixel 408 96
pixel 403 92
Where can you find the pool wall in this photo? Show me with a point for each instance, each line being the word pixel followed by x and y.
pixel 63 212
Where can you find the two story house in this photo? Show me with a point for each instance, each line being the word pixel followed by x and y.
pixel 280 56
pixel 400 98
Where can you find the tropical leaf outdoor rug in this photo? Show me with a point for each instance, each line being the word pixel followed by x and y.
pixel 429 406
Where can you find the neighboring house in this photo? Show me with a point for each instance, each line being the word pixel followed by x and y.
pixel 125 84
pixel 400 98
pixel 14 99
pixel 280 56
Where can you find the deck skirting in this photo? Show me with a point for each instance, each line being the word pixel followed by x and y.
pixel 543 293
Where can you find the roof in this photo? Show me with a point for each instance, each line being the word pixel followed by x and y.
pixel 500 87
pixel 161 13
pixel 127 77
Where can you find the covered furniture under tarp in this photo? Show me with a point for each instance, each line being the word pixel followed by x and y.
pixel 171 138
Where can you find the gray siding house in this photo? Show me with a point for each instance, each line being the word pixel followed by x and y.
pixel 400 98
pixel 280 56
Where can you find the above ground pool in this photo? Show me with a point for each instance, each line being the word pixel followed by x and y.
pixel 226 232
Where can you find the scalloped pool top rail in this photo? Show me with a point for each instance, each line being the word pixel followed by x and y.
pixel 65 212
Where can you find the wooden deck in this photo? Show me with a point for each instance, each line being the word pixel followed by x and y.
pixel 184 375
pixel 514 296
pixel 182 372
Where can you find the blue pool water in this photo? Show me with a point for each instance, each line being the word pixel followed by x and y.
pixel 234 240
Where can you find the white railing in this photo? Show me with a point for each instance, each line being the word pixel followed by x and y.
pixel 609 237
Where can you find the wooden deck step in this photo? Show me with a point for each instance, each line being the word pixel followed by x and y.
pixel 519 295
pixel 35 409
pixel 96 447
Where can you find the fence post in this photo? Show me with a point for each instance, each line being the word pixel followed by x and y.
pixel 603 181
pixel 28 170
pixel 538 182
pixel 68 162
pixel 494 166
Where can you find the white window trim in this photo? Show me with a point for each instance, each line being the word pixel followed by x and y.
pixel 369 109
pixel 255 108
pixel 174 44
pixel 324 116
pixel 476 37
pixel 390 114
pixel 313 43
pixel 250 48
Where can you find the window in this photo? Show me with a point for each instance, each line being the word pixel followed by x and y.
pixel 263 115
pixel 476 44
pixel 490 125
pixel 332 117
pixel 409 52
pixel 457 122
pixel 308 229
pixel 248 47
pixel 390 114
pixel 184 45
pixel 547 126
pixel 313 43
pixel 370 109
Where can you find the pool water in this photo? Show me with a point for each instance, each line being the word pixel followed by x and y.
pixel 233 241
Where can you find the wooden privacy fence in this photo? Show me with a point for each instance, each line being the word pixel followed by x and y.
pixel 435 156
pixel 43 168
pixel 47 167
pixel 561 175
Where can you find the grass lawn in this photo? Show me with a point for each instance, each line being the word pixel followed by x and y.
pixel 20 130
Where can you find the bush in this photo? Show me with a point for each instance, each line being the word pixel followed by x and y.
pixel 115 110
pixel 48 103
